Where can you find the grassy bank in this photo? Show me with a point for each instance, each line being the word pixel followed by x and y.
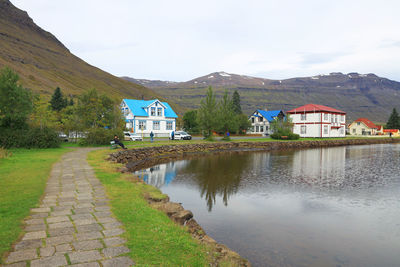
pixel 23 177
pixel 152 237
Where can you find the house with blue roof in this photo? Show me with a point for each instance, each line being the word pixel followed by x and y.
pixel 146 116
pixel 261 120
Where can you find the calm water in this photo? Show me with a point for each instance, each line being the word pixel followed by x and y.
pixel 318 207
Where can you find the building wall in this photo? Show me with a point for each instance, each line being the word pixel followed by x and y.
pixel 133 123
pixel 359 128
pixel 319 124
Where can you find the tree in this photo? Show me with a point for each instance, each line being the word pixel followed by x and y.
pixel 43 116
pixel 190 122
pixel 71 102
pixel 236 102
pixel 15 101
pixel 243 123
pixel 226 116
pixel 58 102
pixel 207 114
pixel 98 111
pixel 394 120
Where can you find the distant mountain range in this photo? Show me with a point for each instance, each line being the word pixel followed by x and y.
pixel 360 95
pixel 44 63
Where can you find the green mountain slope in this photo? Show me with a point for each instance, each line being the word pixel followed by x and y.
pixel 44 63
pixel 360 95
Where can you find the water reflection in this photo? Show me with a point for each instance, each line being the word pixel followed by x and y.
pixel 317 207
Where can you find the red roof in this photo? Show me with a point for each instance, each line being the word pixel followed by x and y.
pixel 367 122
pixel 390 130
pixel 379 127
pixel 313 108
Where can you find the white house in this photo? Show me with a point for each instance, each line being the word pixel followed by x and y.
pixel 261 119
pixel 318 121
pixel 146 116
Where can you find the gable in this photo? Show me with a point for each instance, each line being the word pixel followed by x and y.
pixel 140 108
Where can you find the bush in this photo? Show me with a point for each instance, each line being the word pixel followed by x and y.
pixel 286 134
pixel 100 136
pixel 29 138
pixel 42 138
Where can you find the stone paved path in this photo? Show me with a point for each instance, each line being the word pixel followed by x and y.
pixel 74 224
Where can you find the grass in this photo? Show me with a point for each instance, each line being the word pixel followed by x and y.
pixel 152 237
pixel 23 179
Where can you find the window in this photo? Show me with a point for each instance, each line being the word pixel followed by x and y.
pixel 252 120
pixel 326 117
pixel 159 111
pixel 358 123
pixel 260 119
pixel 262 129
pixel 303 117
pixel 341 130
pixel 342 118
pixel 257 129
pixel 325 129
pixel 354 130
pixel 169 125
pixel 156 125
pixel 142 125
pixel 303 129
pixel 336 119
pixel 153 111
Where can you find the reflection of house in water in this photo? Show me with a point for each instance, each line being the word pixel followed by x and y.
pixel 162 174
pixel 321 166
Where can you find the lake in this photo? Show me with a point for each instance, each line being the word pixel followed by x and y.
pixel 337 206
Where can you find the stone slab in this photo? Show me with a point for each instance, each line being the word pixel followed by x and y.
pixel 84 256
pixel 118 262
pixel 35 235
pixel 53 261
pixel 21 255
pixel 87 245
pixel 115 251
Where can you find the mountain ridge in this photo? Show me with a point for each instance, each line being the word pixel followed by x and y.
pixel 357 94
pixel 44 63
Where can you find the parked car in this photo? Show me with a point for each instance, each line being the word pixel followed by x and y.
pixel 128 136
pixel 181 135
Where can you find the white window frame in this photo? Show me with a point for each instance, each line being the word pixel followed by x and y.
pixel 325 129
pixel 142 125
pixel 169 125
pixel 303 129
pixel 156 125
pixel 152 111
pixel 326 117
pixel 303 116
pixel 159 112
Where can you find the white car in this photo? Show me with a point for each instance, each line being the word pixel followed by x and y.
pixel 128 136
pixel 181 135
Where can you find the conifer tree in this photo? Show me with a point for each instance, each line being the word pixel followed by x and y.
pixel 236 102
pixel 207 114
pixel 58 102
pixel 394 120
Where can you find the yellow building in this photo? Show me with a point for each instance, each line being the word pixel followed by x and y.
pixel 363 126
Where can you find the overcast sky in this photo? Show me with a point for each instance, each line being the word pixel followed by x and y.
pixel 182 39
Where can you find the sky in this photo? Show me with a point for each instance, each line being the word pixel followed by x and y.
pixel 179 40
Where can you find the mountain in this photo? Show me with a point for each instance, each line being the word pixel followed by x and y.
pixel 360 95
pixel 44 63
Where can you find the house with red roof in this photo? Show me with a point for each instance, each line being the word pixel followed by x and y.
pixel 392 132
pixel 363 126
pixel 313 120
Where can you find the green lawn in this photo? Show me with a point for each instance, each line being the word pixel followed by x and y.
pixel 23 179
pixel 152 237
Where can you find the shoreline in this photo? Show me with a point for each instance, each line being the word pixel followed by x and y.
pixel 136 159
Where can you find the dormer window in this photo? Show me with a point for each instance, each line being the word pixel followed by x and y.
pixel 159 112
pixel 153 111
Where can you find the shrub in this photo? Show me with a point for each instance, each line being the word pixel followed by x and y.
pixel 100 136
pixel 29 138
pixel 42 138
pixel 286 134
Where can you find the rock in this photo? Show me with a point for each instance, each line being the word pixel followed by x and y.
pixel 182 216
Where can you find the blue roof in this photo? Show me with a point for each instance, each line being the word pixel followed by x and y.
pixel 137 107
pixel 270 114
